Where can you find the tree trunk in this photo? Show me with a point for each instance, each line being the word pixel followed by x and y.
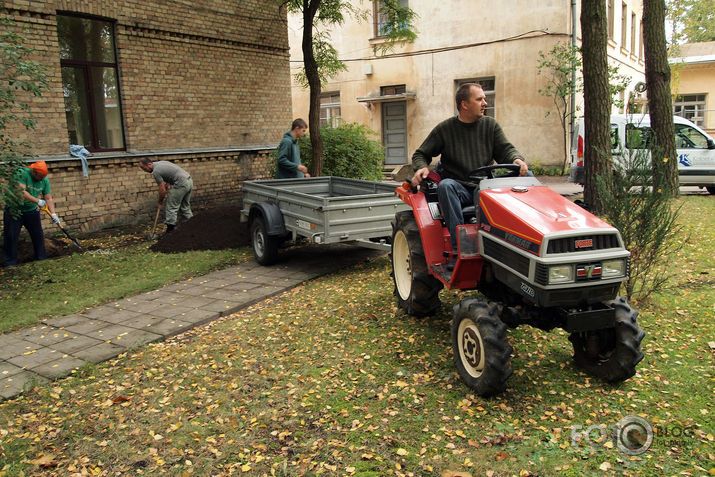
pixel 597 99
pixel 310 8
pixel 660 106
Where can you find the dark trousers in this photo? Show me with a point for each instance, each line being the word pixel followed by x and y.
pixel 11 235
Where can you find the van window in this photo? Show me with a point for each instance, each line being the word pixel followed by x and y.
pixel 615 142
pixel 638 137
pixel 687 137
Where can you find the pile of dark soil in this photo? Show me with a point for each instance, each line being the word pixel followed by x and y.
pixel 217 228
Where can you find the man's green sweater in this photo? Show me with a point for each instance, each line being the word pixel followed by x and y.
pixel 465 147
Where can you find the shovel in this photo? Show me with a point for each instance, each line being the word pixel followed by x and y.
pixel 152 235
pixel 74 240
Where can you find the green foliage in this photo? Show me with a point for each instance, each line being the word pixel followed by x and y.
pixel 348 151
pixel 559 66
pixel 20 79
pixel 692 21
pixel 647 219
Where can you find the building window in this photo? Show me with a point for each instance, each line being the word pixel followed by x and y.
pixel 90 83
pixel 611 19
pixel 329 109
pixel 487 85
pixel 382 23
pixel 633 33
pixel 394 89
pixel 624 25
pixel 691 107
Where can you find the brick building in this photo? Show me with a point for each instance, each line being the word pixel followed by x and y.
pixel 203 84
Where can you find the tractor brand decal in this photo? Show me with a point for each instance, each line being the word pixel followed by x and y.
pixel 520 242
pixel 585 243
pixel 528 290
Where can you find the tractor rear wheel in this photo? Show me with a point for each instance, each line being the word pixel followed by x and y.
pixel 482 353
pixel 611 354
pixel 416 290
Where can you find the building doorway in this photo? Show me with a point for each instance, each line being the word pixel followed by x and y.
pixel 394 132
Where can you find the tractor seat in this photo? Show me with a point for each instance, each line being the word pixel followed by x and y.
pixel 470 214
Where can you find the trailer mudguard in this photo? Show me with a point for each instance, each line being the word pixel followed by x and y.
pixel 272 217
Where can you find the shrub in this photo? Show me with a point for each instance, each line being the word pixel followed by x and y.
pixel 647 219
pixel 349 150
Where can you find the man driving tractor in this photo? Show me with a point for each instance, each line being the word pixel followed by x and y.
pixel 466 142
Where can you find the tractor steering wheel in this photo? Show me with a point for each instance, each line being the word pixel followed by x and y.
pixel 487 172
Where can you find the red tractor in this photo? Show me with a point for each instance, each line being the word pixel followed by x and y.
pixel 538 258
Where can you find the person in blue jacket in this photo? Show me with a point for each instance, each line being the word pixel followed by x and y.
pixel 288 158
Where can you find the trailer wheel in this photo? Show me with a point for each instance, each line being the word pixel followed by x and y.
pixel 416 290
pixel 482 353
pixel 265 247
pixel 611 354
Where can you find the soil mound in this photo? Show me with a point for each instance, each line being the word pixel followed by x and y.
pixel 217 228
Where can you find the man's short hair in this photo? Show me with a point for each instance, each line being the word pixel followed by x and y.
pixel 464 92
pixel 298 123
pixel 146 161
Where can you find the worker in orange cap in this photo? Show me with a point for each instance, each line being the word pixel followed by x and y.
pixel 34 190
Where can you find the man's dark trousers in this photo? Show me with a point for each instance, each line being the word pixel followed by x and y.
pixel 11 235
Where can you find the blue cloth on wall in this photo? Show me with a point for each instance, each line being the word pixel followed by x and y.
pixel 82 154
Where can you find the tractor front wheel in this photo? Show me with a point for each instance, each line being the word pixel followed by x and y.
pixel 611 354
pixel 482 353
pixel 417 291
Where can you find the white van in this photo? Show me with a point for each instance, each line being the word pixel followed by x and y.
pixel 695 149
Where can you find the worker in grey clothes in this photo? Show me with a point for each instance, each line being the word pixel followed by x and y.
pixel 179 195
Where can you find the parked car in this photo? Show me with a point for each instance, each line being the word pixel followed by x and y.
pixel 629 132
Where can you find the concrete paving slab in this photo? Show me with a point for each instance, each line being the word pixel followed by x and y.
pixel 89 326
pixel 135 338
pixel 48 336
pixel 60 367
pixel 17 384
pixel 8 369
pixel 75 343
pixel 192 302
pixel 170 327
pixel 9 339
pixel 19 348
pixel 101 311
pixel 198 316
pixel 221 306
pixel 112 333
pixel 65 321
pixel 119 316
pixel 143 306
pixel 142 321
pixel 100 352
pixel 35 358
pixel 169 311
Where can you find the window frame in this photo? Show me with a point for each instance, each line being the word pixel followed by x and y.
pixel 330 119
pixel 86 68
pixel 699 105
pixel 376 21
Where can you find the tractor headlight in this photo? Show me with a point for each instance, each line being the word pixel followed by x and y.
pixel 613 268
pixel 560 274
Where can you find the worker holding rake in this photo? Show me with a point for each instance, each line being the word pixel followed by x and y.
pixel 178 201
pixel 34 194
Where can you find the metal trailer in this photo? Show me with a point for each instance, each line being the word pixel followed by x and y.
pixel 324 210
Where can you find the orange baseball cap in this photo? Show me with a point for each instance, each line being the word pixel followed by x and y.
pixel 40 167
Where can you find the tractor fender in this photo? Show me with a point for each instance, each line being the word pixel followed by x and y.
pixel 272 217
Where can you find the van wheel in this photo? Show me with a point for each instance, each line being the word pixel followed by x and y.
pixel 711 189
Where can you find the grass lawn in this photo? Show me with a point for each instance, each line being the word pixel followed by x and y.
pixel 66 285
pixel 331 379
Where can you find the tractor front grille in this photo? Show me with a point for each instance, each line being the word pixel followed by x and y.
pixel 506 256
pixel 582 243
